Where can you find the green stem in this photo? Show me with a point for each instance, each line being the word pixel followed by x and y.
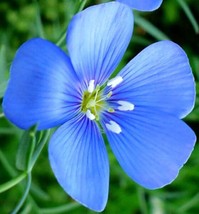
pixel 12 172
pixel 38 150
pixel 25 195
pixel 6 186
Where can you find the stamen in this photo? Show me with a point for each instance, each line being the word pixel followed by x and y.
pixel 102 99
pixel 125 106
pixel 114 127
pixel 115 81
pixel 97 91
pixel 90 115
pixel 111 110
pixel 91 86
pixel 109 94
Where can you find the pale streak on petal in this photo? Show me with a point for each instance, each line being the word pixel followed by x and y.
pixel 91 86
pixel 90 115
pixel 114 127
pixel 125 105
pixel 115 81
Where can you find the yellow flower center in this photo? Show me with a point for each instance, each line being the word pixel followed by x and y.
pixel 93 102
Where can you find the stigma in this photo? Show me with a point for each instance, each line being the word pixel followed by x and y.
pixel 93 101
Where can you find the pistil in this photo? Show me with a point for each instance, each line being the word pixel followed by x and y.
pixel 93 101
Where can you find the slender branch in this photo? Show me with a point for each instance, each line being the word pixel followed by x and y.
pixel 6 186
pixel 25 195
pixel 38 150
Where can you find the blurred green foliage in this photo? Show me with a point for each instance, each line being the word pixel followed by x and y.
pixel 22 20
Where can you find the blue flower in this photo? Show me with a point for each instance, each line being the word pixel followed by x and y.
pixel 139 109
pixel 142 5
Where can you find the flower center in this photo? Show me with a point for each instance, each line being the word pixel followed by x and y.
pixel 93 101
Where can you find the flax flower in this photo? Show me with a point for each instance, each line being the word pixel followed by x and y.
pixel 139 109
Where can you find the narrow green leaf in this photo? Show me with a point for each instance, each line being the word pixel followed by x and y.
pixel 7 130
pixel 3 86
pixel 2 65
pixel 24 149
pixel 150 28
pixel 39 26
pixel 39 135
pixel 39 193
pixel 13 182
pixel 189 15
pixel 194 115
pixel 195 67
pixel 141 40
pixel 61 39
pixel 189 204
pixel 60 209
pixel 7 166
pixel 82 5
pixel 27 209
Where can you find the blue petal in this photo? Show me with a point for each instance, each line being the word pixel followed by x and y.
pixel 142 5
pixel 97 39
pixel 40 89
pixel 151 147
pixel 79 161
pixel 159 77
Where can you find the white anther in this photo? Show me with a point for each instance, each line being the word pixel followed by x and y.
pixel 90 115
pixel 91 86
pixel 125 106
pixel 115 81
pixel 114 127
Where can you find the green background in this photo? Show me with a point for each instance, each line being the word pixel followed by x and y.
pixel 22 20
